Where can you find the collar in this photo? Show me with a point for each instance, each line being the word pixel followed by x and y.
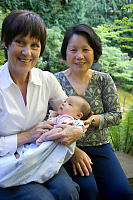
pixel 35 76
pixel 6 80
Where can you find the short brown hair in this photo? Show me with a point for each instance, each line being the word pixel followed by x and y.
pixel 22 22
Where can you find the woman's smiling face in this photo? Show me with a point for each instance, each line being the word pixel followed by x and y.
pixel 23 54
pixel 79 54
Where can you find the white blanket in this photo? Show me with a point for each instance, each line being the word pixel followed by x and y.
pixel 35 163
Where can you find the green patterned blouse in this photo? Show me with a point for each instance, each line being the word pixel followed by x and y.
pixel 104 101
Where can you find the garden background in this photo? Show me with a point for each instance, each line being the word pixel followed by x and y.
pixel 113 22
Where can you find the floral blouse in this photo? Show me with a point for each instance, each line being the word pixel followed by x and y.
pixel 104 101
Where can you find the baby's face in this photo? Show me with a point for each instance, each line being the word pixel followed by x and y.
pixel 71 106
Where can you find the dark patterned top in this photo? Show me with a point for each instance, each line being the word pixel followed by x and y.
pixel 104 101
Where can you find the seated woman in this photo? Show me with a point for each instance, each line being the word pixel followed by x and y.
pixel 24 95
pixel 104 179
pixel 41 160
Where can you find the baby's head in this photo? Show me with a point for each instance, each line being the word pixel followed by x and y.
pixel 76 106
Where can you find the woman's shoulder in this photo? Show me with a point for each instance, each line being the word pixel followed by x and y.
pixel 3 67
pixel 5 79
pixel 61 78
pixel 102 79
pixel 42 73
pixel 101 76
pixel 37 70
pixel 41 77
pixel 59 75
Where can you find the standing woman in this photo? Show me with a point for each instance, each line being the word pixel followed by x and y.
pixel 24 95
pixel 94 165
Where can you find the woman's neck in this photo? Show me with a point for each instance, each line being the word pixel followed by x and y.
pixel 80 77
pixel 79 81
pixel 19 79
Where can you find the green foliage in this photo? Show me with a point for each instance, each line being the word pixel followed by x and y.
pixel 55 13
pixel 65 13
pixel 51 60
pixel 105 34
pixel 122 136
pixel 2 59
pixel 113 60
pixel 127 87
pixel 46 9
pixel 124 29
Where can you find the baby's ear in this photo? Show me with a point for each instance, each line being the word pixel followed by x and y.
pixel 79 115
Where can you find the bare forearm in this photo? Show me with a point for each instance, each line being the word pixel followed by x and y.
pixel 34 133
pixel 23 138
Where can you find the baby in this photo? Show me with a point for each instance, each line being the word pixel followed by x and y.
pixel 44 159
pixel 71 111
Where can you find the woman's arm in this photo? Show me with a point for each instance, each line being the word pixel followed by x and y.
pixel 81 162
pixel 57 95
pixel 110 99
pixel 111 114
pixel 67 136
pixel 9 144
pixel 34 133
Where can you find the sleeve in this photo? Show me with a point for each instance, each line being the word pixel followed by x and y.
pixel 112 111
pixel 65 119
pixel 8 144
pixel 80 123
pixel 57 95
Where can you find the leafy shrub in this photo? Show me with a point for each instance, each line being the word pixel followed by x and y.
pixel 2 58
pixel 51 59
pixel 113 61
pixel 122 136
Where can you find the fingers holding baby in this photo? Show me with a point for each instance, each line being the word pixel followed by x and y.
pixel 58 133
pixel 43 137
pixel 39 129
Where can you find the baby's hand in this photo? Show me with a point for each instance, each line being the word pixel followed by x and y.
pixel 52 113
pixel 41 139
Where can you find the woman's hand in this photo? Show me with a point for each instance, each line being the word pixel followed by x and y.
pixel 34 133
pixel 81 162
pixel 66 136
pixel 87 122
pixel 42 138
